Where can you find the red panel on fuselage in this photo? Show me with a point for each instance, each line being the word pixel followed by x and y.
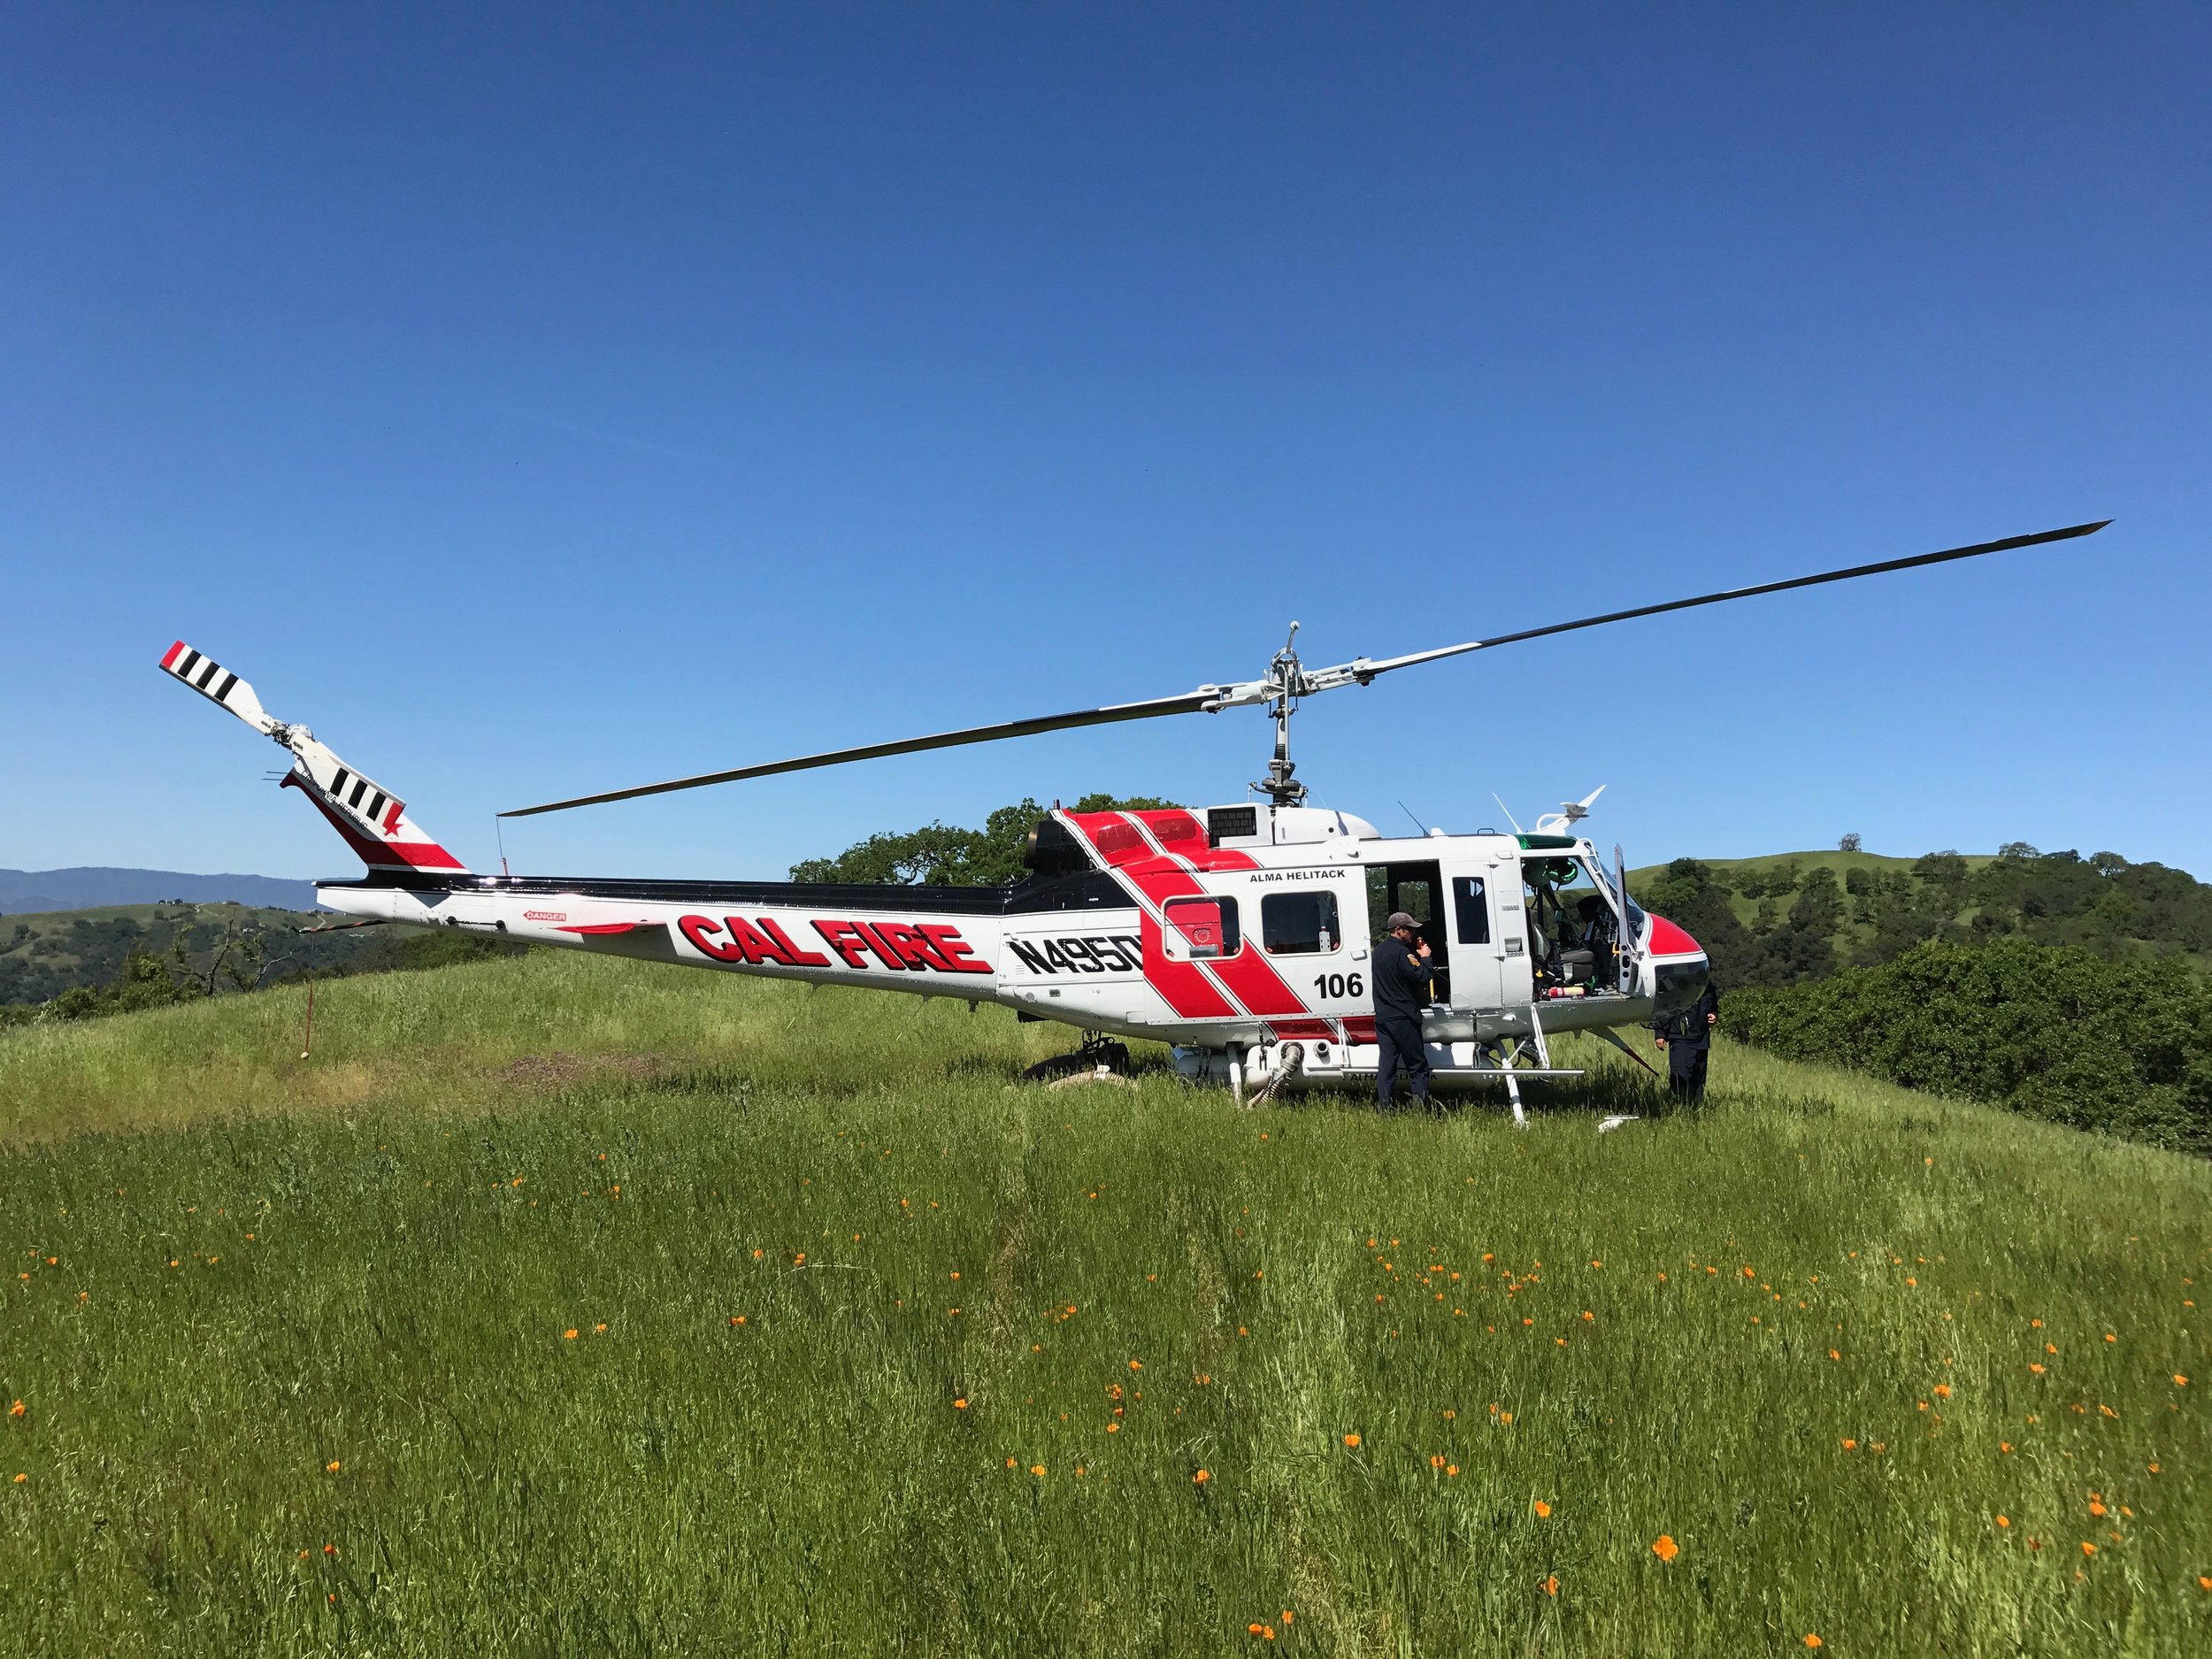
pixel 1667 939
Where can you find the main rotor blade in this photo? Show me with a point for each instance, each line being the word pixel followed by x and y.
pixel 1367 671
pixel 1188 702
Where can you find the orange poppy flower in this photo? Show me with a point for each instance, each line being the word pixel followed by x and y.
pixel 1352 1440
pixel 1543 1509
pixel 1665 1547
pixel 1551 1585
pixel 1200 1478
pixel 2004 1521
pixel 1811 1640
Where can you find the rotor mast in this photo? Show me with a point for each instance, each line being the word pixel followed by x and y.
pixel 1286 683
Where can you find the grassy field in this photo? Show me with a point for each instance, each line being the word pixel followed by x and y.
pixel 559 1306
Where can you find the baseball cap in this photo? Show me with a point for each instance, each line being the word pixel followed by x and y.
pixel 1398 919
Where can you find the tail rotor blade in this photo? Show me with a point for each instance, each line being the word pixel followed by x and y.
pixel 218 685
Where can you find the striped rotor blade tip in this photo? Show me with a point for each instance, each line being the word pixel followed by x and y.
pixel 215 682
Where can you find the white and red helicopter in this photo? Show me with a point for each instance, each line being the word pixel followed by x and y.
pixel 1240 935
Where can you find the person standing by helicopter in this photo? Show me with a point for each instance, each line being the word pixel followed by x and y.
pixel 1687 1037
pixel 1402 990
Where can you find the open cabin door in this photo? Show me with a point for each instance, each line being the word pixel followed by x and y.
pixel 1416 887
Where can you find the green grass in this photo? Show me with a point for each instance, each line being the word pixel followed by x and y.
pixel 433 1207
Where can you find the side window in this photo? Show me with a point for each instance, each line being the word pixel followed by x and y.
pixel 1473 906
pixel 1299 924
pixel 1200 929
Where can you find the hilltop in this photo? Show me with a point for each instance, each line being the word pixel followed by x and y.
pixel 566 1304
pixel 43 954
pixel 1791 918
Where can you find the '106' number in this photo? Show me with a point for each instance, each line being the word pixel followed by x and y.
pixel 1340 985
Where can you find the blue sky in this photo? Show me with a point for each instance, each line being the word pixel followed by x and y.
pixel 538 400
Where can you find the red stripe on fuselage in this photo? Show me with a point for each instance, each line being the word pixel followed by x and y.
pixel 1248 976
pixel 1162 875
pixel 1182 985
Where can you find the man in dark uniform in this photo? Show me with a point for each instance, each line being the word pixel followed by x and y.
pixel 1402 990
pixel 1687 1037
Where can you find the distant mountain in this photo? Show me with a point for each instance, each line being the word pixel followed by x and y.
pixel 28 892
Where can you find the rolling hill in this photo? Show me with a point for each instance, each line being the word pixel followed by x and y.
pixel 92 886
pixel 562 1304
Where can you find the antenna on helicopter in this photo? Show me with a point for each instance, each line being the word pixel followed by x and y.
pixel 1286 682
pixel 1508 810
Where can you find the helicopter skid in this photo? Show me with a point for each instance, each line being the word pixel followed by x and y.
pixel 1453 1066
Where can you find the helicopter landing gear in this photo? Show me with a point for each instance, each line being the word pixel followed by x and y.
pixel 1100 1054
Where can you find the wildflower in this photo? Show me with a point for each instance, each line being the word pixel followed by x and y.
pixel 2180 1381
pixel 1665 1547
pixel 2109 1337
pixel 1113 1428
pixel 16 1410
pixel 737 1318
pixel 1850 1446
pixel 2088 1548
pixel 1352 1440
pixel 1037 1470
pixel 2037 1368
pixel 2095 1508
pixel 330 1549
pixel 2004 1520
pixel 20 1479
pixel 332 1466
pixel 1543 1509
pixel 1586 1314
pixel 1451 1471
pixel 1812 1640
pixel 1200 1478
pixel 1943 1391
pixel 1551 1585
pixel 569 1335
pixel 1136 1364
pixel 960 1404
pixel 599 1329
pixel 2004 1445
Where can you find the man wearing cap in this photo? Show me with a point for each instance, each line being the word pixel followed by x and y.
pixel 1401 989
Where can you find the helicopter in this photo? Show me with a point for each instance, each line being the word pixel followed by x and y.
pixel 1241 935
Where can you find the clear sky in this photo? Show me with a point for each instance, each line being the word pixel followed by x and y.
pixel 542 400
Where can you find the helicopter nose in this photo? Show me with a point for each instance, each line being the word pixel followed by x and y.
pixel 1679 966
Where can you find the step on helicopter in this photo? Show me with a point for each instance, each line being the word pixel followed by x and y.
pixel 1239 935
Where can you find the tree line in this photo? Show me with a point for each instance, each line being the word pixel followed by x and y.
pixel 1807 924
